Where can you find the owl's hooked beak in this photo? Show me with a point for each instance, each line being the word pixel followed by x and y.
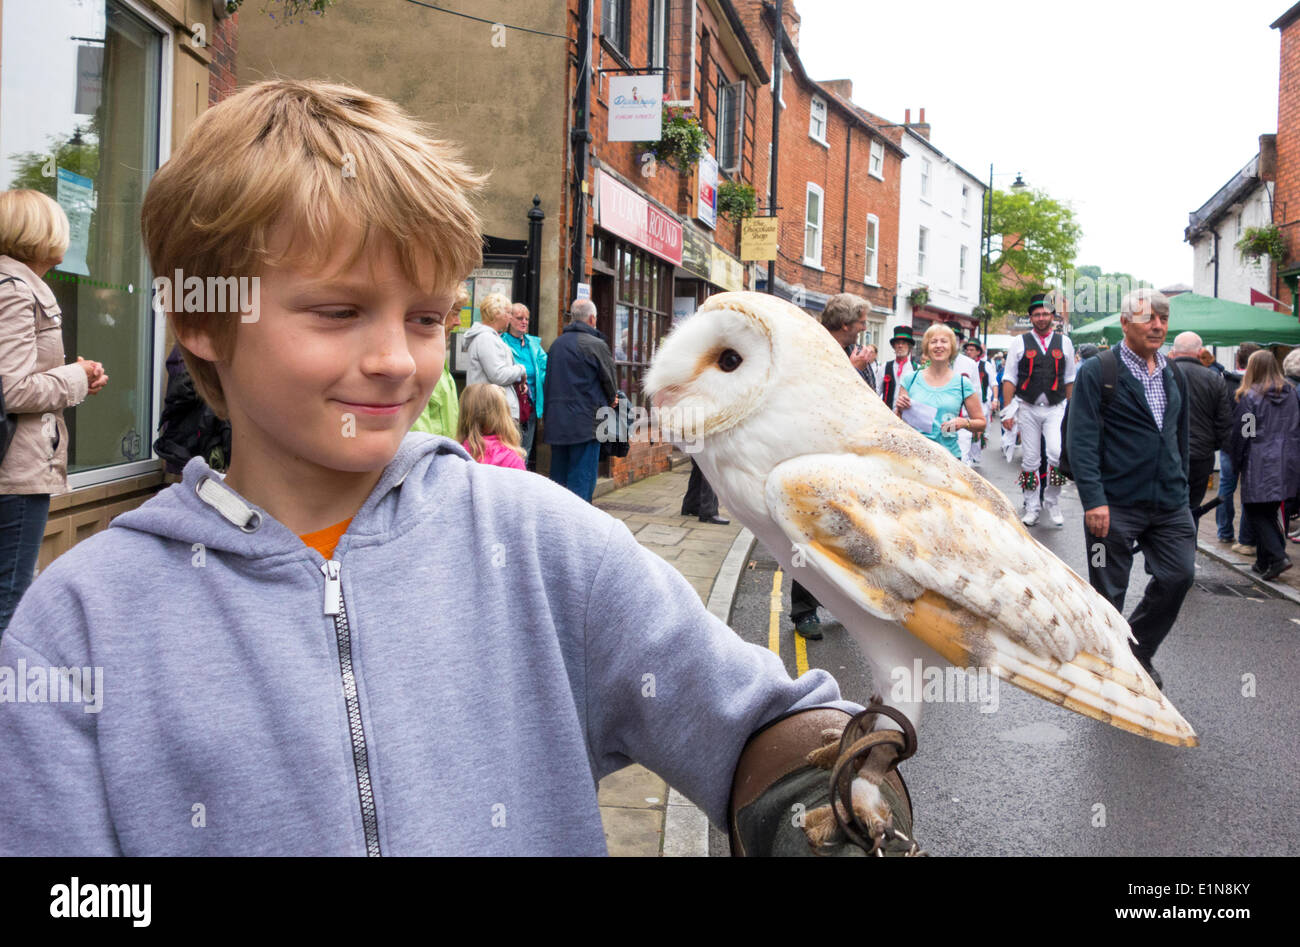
pixel 665 397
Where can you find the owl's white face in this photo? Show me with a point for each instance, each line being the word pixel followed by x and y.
pixel 711 373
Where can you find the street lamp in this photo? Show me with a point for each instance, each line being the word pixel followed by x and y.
pixel 1017 185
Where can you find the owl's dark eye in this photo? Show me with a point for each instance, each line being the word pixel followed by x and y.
pixel 729 360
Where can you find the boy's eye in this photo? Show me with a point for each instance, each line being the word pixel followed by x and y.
pixel 429 320
pixel 337 313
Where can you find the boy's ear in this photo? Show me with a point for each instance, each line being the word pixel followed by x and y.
pixel 194 336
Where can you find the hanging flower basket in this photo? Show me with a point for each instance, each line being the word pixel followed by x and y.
pixel 1259 242
pixel 736 200
pixel 683 140
pixel 919 296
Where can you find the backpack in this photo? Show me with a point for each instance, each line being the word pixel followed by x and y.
pixel 1109 360
pixel 189 428
pixel 1109 378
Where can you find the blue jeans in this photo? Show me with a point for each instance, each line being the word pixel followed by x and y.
pixel 574 467
pixel 22 526
pixel 1223 516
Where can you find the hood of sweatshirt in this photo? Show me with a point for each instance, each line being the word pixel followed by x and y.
pixel 202 509
pixel 476 331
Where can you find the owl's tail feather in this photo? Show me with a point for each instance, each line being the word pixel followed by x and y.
pixel 1123 697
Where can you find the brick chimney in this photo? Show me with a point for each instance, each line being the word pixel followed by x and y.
pixel 1268 157
pixel 922 127
pixel 792 21
pixel 841 87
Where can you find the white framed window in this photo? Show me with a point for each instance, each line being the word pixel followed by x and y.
pixel 925 177
pixel 965 202
pixel 812 231
pixel 817 120
pixel 785 73
pixel 922 245
pixel 877 167
pixel 873 248
pixel 961 267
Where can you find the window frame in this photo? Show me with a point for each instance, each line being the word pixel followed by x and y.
pixel 658 30
pixel 922 249
pixel 826 112
pixel 819 227
pixel 962 255
pixel 617 13
pixel 965 202
pixel 877 155
pixel 872 273
pixel 927 168
pixel 737 137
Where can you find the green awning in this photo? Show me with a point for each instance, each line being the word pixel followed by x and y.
pixel 1216 321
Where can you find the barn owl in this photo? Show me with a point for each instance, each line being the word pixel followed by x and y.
pixel 914 553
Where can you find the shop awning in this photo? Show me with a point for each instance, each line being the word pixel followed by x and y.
pixel 1216 321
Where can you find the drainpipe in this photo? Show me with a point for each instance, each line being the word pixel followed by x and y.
pixel 844 229
pixel 581 140
pixel 778 47
pixel 1215 231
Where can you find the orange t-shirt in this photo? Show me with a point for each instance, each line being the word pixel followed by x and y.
pixel 324 540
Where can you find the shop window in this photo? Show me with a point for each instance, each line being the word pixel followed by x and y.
pixel 642 314
pixel 80 117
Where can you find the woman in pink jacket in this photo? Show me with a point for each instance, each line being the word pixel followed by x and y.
pixel 37 384
pixel 485 428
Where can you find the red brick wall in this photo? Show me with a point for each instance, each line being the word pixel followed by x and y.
pixel 804 160
pixel 221 71
pixel 670 188
pixel 1286 201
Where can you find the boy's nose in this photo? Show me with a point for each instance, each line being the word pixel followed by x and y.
pixel 387 351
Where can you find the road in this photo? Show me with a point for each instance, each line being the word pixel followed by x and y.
pixel 1030 778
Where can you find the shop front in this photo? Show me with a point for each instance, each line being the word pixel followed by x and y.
pixel 90 98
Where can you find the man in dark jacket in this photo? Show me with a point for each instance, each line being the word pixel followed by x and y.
pixel 579 382
pixel 1210 418
pixel 1130 461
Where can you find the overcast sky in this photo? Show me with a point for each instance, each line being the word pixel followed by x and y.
pixel 1133 111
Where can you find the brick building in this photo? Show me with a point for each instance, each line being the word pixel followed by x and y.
pixel 654 245
pixel 1286 195
pixel 838 178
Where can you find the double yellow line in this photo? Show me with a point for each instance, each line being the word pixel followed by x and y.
pixel 774 630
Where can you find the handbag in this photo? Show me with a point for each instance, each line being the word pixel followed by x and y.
pixel 525 401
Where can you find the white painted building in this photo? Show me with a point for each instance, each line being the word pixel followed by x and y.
pixel 1218 268
pixel 939 236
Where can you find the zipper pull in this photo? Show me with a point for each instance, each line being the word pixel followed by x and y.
pixel 333 588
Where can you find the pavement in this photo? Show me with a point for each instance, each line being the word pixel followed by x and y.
pixel 642 815
pixel 1287 584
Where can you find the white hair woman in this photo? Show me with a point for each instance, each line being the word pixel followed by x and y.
pixel 490 361
pixel 37 384
pixel 938 388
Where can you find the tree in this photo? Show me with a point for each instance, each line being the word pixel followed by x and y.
pixel 1035 238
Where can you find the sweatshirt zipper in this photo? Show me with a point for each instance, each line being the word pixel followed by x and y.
pixel 335 607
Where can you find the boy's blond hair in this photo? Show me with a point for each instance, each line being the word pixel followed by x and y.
pixel 320 159
pixel 33 227
pixel 485 411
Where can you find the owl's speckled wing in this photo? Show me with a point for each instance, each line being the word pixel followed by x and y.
pixel 936 548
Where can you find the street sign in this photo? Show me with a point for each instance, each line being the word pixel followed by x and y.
pixel 635 108
pixel 758 237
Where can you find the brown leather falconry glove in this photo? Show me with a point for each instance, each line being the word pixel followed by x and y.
pixel 783 803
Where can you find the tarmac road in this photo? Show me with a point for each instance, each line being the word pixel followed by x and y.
pixel 1030 778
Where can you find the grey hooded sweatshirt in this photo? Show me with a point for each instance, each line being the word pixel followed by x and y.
pixel 481 649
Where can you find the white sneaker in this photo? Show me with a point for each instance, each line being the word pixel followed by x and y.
pixel 1031 517
pixel 1054 512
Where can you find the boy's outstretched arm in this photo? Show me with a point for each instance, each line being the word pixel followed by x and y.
pixel 672 687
